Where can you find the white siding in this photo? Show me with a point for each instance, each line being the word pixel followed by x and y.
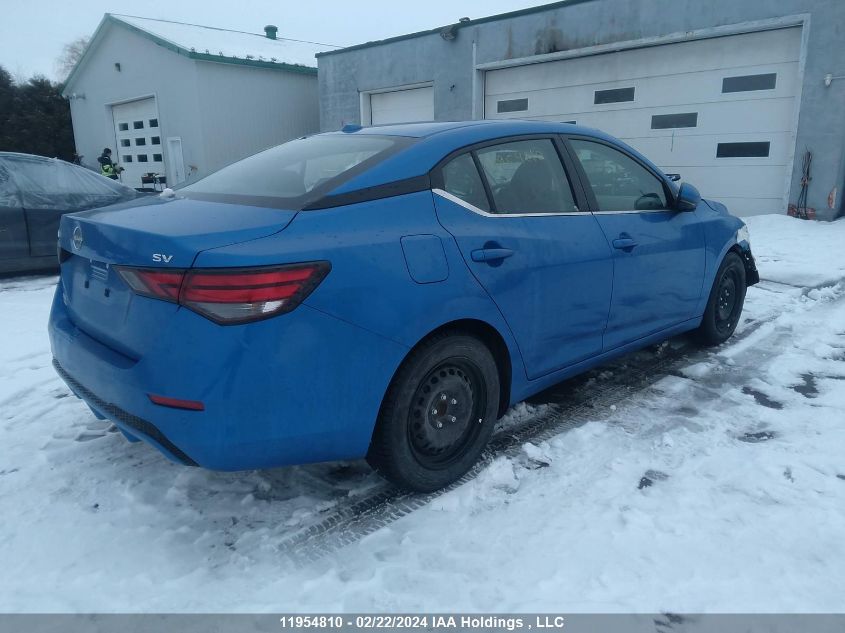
pixel 221 112
pixel 146 70
pixel 245 109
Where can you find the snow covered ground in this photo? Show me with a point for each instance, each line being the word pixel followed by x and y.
pixel 718 488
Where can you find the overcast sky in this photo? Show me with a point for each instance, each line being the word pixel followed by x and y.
pixel 33 32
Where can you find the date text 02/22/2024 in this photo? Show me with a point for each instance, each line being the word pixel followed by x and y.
pixel 428 622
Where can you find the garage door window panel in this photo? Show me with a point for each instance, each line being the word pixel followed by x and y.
pixel 619 182
pixel 743 150
pixel 750 83
pixel 527 177
pixel 674 121
pixel 614 95
pixel 512 105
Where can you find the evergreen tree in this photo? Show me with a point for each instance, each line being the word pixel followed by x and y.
pixel 34 118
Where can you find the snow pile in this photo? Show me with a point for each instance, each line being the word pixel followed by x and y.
pixel 222 42
pixel 720 487
pixel 798 252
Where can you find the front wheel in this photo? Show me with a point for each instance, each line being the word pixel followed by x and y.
pixel 438 413
pixel 724 305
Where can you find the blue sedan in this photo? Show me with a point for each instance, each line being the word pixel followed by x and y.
pixel 384 292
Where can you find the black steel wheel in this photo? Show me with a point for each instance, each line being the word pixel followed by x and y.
pixel 724 306
pixel 438 413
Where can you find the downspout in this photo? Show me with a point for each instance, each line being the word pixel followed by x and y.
pixel 474 82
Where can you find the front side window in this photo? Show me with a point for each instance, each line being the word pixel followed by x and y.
pixel 295 168
pixel 461 179
pixel 527 177
pixel 618 181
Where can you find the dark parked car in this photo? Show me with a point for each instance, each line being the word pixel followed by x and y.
pixel 34 194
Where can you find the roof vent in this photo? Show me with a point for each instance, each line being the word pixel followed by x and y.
pixel 270 31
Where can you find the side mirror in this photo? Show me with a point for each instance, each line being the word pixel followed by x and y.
pixel 688 198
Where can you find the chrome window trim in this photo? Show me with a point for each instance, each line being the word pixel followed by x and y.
pixel 636 211
pixel 487 214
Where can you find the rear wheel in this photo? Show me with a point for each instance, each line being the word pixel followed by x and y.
pixel 724 306
pixel 438 413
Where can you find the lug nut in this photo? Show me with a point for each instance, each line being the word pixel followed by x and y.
pixel 439 425
pixel 442 396
pixel 453 401
pixel 452 418
pixel 434 412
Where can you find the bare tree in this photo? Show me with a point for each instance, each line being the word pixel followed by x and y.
pixel 71 54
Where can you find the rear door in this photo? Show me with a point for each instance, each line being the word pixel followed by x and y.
pixel 527 236
pixel 658 253
pixel 14 242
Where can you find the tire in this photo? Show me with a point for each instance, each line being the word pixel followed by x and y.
pixel 724 306
pixel 438 413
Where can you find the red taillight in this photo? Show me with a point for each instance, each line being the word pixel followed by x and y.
pixel 230 295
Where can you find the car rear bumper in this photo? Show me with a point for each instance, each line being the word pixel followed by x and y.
pixel 303 387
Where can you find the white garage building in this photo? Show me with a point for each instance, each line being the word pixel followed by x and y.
pixel 182 100
pixel 728 94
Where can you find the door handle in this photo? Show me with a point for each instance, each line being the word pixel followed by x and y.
pixel 491 254
pixel 624 243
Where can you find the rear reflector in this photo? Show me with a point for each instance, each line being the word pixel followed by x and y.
pixel 230 295
pixel 175 403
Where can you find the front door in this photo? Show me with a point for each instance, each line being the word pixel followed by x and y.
pixel 544 262
pixel 658 253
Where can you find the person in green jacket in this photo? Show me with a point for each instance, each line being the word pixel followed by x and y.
pixel 107 167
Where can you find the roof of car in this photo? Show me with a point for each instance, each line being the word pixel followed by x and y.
pixel 436 140
pixel 494 127
pixel 26 156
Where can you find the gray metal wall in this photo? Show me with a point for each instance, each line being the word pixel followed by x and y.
pixel 450 64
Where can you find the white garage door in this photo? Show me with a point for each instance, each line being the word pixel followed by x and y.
pixel 139 142
pixel 720 112
pixel 402 106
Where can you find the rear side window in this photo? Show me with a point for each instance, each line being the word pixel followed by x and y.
pixel 527 177
pixel 295 168
pixel 618 181
pixel 461 179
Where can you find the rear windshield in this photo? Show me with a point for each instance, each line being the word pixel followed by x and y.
pixel 297 171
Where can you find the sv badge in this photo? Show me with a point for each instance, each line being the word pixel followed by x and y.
pixel 158 257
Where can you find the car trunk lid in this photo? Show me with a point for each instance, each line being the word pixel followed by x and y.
pixel 152 233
